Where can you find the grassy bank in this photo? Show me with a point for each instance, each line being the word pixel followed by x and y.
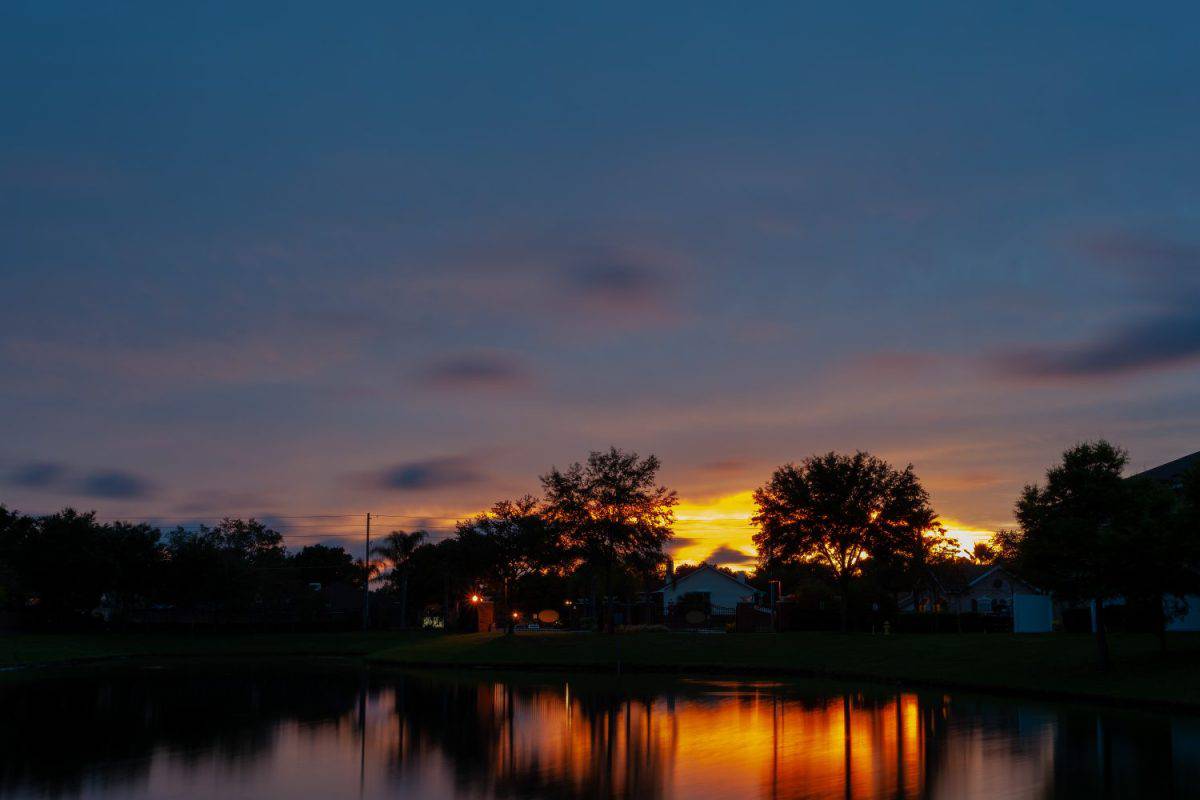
pixel 1061 665
pixel 17 650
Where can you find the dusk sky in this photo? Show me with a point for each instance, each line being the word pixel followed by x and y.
pixel 328 259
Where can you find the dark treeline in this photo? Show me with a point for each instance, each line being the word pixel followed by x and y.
pixel 68 568
pixel 848 533
pixel 598 531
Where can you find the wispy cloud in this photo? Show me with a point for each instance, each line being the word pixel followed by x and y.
pixel 107 484
pixel 428 474
pixel 40 475
pixel 473 371
pixel 728 556
pixel 1162 270
pixel 114 485
pixel 1170 340
pixel 616 282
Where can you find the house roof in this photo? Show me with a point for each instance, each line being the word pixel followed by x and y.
pixel 958 576
pixel 1171 471
pixel 697 571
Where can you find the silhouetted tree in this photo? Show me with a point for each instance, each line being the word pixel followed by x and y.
pixel 64 564
pixel 611 514
pixel 17 533
pixel 327 565
pixel 397 549
pixel 1074 531
pixel 839 510
pixel 984 553
pixel 514 540
pixel 1159 547
pixel 232 567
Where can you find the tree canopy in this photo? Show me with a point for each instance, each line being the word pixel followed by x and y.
pixel 839 510
pixel 611 512
pixel 1090 535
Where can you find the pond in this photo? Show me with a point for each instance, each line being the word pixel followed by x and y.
pixel 336 730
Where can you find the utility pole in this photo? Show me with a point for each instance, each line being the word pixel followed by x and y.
pixel 367 577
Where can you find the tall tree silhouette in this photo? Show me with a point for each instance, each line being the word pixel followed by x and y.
pixel 514 540
pixel 1088 535
pixel 1069 530
pixel 611 513
pixel 839 510
pixel 398 548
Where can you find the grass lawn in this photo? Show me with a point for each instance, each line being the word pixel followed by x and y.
pixel 58 648
pixel 1058 664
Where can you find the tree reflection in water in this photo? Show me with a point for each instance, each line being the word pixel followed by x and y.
pixel 276 730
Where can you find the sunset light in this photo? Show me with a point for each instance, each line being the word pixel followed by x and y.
pixel 717 530
pixel 428 400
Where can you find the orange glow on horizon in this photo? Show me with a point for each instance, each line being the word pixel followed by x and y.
pixel 724 522
pixel 721 523
pixel 716 528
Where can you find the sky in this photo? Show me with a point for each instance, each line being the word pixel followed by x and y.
pixel 308 262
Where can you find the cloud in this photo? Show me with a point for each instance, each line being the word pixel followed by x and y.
pixel 728 556
pixel 621 290
pixel 41 475
pixel 678 542
pixel 1161 269
pixel 433 473
pixel 476 371
pixel 109 484
pixel 114 485
pixel 617 282
pixel 1169 340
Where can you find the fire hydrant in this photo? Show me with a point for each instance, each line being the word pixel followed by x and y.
pixel 887 629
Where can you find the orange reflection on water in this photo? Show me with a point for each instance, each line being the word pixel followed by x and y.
pixel 712 740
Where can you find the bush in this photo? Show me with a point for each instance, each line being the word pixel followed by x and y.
pixel 642 629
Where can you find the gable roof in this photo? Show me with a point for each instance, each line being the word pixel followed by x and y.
pixel 674 582
pixel 1171 471
pixel 959 576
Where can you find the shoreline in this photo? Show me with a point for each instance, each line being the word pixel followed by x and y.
pixel 714 670
pixel 1057 667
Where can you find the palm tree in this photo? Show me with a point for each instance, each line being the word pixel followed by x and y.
pixel 397 549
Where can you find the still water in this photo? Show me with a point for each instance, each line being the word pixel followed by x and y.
pixel 326 731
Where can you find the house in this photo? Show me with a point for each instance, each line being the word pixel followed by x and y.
pixel 722 590
pixel 962 587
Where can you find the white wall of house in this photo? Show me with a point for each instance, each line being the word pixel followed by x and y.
pixel 723 591
pixel 992 593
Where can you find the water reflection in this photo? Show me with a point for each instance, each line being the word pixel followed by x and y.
pixel 330 731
